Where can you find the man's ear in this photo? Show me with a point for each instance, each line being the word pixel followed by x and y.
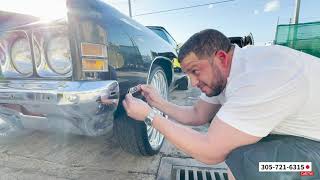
pixel 222 58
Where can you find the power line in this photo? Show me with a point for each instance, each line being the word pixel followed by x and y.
pixel 187 7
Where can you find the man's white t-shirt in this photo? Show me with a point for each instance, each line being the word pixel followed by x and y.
pixel 272 89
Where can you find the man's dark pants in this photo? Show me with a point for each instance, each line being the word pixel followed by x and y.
pixel 244 161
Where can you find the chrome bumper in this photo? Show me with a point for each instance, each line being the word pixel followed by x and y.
pixel 80 107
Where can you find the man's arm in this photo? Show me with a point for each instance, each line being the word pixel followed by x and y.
pixel 195 115
pixel 209 148
pixel 198 114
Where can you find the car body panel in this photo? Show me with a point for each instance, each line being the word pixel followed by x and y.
pixel 131 47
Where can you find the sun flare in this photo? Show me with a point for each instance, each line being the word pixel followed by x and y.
pixel 44 9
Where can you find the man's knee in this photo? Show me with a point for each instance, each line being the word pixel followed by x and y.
pixel 239 163
pixel 244 161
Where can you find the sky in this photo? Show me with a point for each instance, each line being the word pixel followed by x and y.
pixel 232 17
pixel 48 9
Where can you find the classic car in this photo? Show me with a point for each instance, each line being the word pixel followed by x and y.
pixel 71 74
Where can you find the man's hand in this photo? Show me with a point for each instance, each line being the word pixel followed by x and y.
pixel 151 95
pixel 136 108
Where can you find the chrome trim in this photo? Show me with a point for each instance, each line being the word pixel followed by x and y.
pixel 80 107
pixel 2 63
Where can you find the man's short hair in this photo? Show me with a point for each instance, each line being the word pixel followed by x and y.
pixel 204 43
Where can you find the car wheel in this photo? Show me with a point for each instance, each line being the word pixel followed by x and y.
pixel 135 136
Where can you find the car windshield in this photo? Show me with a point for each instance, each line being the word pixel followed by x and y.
pixel 45 10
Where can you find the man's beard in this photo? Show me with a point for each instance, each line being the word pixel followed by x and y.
pixel 219 86
pixel 216 91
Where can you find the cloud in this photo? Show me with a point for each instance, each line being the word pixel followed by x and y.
pixel 256 12
pixel 210 6
pixel 272 5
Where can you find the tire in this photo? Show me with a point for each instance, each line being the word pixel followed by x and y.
pixel 132 135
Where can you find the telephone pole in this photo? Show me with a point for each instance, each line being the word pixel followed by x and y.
pixel 294 35
pixel 130 11
pixel 296 12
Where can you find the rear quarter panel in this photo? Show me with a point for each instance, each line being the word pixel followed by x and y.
pixel 131 47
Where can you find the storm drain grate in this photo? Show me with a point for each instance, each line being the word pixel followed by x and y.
pixel 197 173
pixel 174 168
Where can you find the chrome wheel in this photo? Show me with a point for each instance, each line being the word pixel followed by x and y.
pixel 159 82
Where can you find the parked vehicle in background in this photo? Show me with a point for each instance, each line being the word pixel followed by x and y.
pixel 242 41
pixel 72 74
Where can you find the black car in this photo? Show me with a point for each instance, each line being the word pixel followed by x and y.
pixel 72 74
